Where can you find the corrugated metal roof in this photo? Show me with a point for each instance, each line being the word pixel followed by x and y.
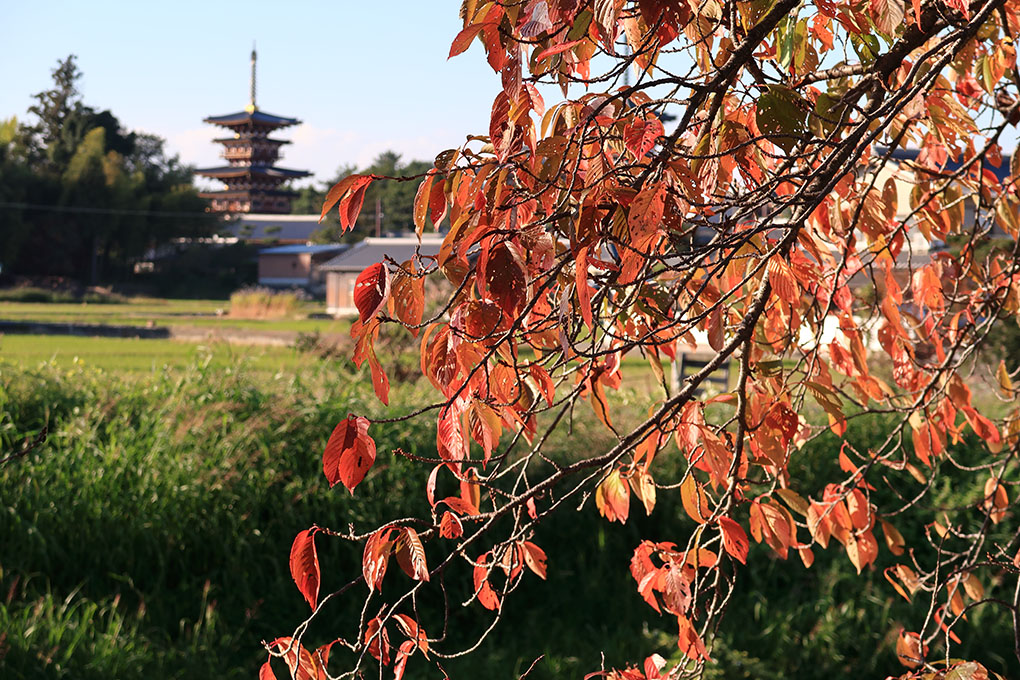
pixel 297 249
pixel 373 250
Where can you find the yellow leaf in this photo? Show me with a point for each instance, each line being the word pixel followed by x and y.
pixel 1005 384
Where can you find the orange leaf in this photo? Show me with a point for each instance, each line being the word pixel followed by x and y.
pixel 612 498
pixel 643 486
pixel 695 500
pixel 349 453
pixel 689 641
pixel 471 491
pixel 534 557
pixel 304 565
pixel 734 539
pixel 421 202
pixel 893 538
pixel 376 557
pixel 909 649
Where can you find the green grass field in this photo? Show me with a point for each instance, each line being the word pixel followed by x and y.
pixel 143 355
pixel 148 538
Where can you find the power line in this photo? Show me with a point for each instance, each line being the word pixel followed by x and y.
pixel 97 211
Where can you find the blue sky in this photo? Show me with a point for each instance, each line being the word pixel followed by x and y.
pixel 362 76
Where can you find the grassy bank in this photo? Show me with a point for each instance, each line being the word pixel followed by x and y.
pixel 148 538
pixel 136 355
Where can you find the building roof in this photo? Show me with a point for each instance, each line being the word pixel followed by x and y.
pixel 253 169
pixel 265 227
pixel 373 250
pixel 300 249
pixel 249 140
pixel 1001 172
pixel 256 118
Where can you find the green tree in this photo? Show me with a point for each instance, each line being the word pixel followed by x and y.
pixel 82 196
pixel 390 205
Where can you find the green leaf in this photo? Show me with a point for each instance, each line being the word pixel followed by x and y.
pixel 828 113
pixel 780 115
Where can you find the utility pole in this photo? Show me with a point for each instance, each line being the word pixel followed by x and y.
pixel 378 216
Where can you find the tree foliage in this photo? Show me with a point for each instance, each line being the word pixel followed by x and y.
pixel 395 199
pixel 790 222
pixel 80 196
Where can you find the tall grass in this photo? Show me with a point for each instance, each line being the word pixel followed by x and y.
pixel 264 303
pixel 149 539
pixel 168 504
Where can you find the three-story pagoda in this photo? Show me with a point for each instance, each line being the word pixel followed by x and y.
pixel 253 181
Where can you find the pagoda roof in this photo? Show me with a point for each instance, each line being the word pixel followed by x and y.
pixel 254 169
pixel 261 140
pixel 253 117
pixel 245 193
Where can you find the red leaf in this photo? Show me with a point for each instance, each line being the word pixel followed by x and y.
pixel 349 453
pixel 350 205
pixel 437 203
pixel 640 136
pixel 304 565
pixel 555 49
pixel 676 594
pixel 336 192
pixel 450 441
pixel 371 290
pixel 411 554
pixel 376 557
pixel 349 193
pixel 545 383
pixel 645 218
pixel 430 486
pixel 408 293
pixel 302 664
pixel 689 641
pixel 400 662
pixel 450 526
pixel 734 539
pixel 380 383
pixel 487 597
pixel 464 38
pixel 505 277
pixel 414 632
pixel 266 672
pixel 378 641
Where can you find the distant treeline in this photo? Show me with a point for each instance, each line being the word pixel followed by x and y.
pixel 389 204
pixel 82 198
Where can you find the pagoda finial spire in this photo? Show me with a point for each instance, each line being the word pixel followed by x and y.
pixel 251 104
